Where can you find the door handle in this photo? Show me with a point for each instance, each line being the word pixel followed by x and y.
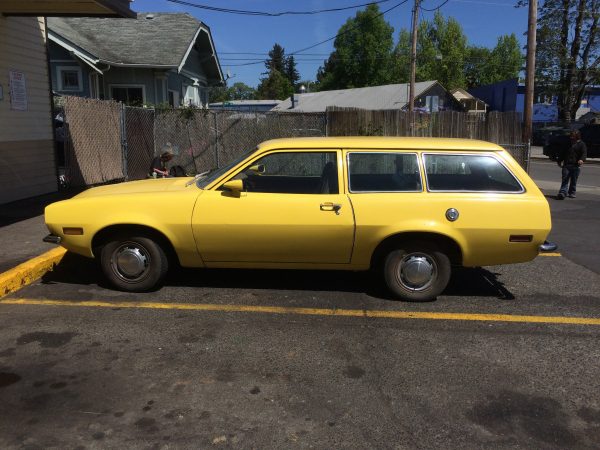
pixel 331 207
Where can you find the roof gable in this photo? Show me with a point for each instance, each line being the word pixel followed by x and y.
pixel 152 39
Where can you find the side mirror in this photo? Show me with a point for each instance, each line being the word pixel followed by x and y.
pixel 257 168
pixel 235 187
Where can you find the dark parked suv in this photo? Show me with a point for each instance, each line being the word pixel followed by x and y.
pixel 590 134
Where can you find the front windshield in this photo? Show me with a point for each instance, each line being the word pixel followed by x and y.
pixel 213 174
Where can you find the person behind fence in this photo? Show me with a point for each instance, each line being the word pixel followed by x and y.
pixel 158 168
pixel 571 161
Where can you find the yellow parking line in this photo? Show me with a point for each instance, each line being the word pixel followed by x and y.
pixel 550 254
pixel 313 311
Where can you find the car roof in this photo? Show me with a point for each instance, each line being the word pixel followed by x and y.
pixel 378 143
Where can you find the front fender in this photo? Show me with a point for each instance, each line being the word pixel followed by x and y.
pixel 168 213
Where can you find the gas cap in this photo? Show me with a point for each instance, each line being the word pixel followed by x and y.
pixel 452 214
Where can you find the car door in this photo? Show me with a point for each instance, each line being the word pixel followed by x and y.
pixel 291 210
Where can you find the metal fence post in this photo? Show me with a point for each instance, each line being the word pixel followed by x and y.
pixel 124 140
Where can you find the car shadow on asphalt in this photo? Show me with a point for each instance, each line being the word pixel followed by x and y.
pixel 465 282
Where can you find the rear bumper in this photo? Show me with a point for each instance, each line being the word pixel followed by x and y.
pixel 53 239
pixel 548 246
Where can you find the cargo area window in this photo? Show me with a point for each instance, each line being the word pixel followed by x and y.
pixel 468 173
pixel 383 172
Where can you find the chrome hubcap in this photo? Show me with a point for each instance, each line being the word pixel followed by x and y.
pixel 417 271
pixel 130 261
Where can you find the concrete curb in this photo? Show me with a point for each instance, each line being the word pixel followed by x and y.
pixel 29 271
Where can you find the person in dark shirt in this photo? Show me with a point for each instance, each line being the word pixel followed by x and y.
pixel 158 168
pixel 571 161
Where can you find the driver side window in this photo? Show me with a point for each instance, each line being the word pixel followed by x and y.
pixel 292 173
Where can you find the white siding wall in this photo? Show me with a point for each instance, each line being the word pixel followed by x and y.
pixel 27 166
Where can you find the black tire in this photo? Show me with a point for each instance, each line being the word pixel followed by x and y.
pixel 133 263
pixel 417 272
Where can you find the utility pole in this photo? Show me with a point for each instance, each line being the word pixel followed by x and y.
pixel 413 57
pixel 530 71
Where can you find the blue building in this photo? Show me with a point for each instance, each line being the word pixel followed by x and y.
pixel 509 95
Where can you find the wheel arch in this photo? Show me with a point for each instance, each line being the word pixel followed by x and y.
pixel 103 235
pixel 445 243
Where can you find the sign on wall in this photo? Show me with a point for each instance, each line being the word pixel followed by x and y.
pixel 18 91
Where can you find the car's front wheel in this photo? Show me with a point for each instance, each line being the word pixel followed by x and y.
pixel 417 272
pixel 133 263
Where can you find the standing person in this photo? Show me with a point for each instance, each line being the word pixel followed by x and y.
pixel 571 161
pixel 158 168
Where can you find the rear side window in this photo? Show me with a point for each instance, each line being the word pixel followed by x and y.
pixel 471 173
pixel 384 172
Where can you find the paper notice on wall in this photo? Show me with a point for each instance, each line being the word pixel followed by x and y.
pixel 18 91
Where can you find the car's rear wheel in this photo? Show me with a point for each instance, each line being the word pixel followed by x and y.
pixel 417 272
pixel 133 263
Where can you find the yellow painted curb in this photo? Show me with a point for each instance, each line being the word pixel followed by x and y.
pixel 26 273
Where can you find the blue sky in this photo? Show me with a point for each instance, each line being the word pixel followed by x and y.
pixel 241 39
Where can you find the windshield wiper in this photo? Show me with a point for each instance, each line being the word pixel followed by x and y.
pixel 198 176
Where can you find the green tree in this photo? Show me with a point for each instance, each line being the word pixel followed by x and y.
pixel 485 66
pixel 441 53
pixel 275 86
pixel 276 59
pixel 476 66
pixel 290 71
pixel 239 91
pixel 362 55
pixel 285 65
pixel 568 51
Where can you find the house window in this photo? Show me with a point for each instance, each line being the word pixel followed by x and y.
pixel 173 99
pixel 130 95
pixel 69 79
pixel 94 85
pixel 432 103
pixel 191 95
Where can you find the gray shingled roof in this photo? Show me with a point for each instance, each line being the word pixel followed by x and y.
pixel 160 41
pixel 389 96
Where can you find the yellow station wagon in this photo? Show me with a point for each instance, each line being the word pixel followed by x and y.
pixel 409 207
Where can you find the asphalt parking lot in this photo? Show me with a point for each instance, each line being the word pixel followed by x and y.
pixel 506 358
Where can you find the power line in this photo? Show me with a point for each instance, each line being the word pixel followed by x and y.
pixel 324 41
pixel 348 30
pixel 436 8
pixel 478 2
pixel 271 14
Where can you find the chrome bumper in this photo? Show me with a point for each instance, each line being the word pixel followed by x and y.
pixel 52 239
pixel 548 246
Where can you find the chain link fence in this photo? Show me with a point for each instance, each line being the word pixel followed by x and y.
pixel 106 141
pixel 138 147
pixel 92 141
pixel 205 139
